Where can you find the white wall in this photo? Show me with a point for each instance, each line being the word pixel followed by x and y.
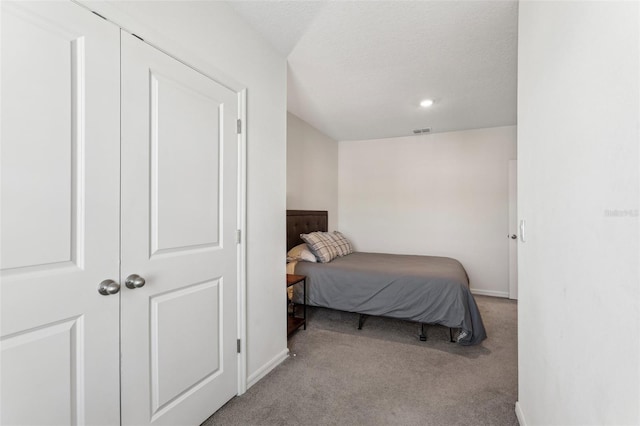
pixel 213 38
pixel 443 194
pixel 312 169
pixel 578 183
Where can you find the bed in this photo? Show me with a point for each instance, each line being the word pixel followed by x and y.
pixel 424 289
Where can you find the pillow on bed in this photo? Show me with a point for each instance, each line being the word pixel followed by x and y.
pixel 321 245
pixel 340 242
pixel 301 252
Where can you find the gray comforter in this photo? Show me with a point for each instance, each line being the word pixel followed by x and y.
pixel 426 289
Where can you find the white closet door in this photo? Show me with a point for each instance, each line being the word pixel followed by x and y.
pixel 179 216
pixel 60 215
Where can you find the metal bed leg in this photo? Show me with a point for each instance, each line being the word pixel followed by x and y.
pixel 451 335
pixel 423 335
pixel 361 319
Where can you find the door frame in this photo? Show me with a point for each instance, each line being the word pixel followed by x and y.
pixel 242 243
pixel 111 13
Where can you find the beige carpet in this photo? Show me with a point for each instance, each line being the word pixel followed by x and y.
pixel 383 375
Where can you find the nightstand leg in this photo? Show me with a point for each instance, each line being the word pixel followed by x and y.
pixel 423 335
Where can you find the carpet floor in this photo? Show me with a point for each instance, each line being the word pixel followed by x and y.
pixel 383 375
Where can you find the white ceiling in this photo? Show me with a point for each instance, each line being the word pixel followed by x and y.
pixel 358 69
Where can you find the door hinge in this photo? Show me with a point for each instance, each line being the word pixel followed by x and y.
pixel 238 236
pixel 239 345
pixel 239 126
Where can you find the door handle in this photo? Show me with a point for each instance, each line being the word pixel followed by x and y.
pixel 108 287
pixel 514 236
pixel 134 281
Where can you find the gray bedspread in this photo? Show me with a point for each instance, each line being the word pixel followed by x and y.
pixel 426 289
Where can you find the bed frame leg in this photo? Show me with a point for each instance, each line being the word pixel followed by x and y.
pixel 361 319
pixel 451 335
pixel 423 335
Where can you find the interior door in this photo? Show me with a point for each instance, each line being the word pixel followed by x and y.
pixel 513 229
pixel 60 215
pixel 179 221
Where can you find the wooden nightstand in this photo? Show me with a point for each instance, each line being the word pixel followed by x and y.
pixel 293 322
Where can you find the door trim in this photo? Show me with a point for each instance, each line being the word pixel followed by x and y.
pixel 106 10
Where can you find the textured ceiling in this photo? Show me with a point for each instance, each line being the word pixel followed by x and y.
pixel 358 69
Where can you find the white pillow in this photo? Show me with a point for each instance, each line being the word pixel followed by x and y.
pixel 301 252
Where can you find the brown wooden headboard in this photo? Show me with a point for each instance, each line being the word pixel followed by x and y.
pixel 303 222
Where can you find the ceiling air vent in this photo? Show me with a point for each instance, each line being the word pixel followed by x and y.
pixel 421 131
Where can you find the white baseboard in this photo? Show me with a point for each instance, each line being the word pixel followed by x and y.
pixel 265 369
pixel 520 415
pixel 493 293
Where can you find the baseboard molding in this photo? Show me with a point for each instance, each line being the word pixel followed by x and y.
pixel 265 369
pixel 520 415
pixel 492 293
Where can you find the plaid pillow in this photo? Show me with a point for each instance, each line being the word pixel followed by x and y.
pixel 321 245
pixel 342 245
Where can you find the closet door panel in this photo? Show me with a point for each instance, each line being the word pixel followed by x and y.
pixel 60 215
pixel 185 167
pixel 179 221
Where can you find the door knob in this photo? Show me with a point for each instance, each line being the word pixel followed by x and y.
pixel 108 287
pixel 514 236
pixel 134 281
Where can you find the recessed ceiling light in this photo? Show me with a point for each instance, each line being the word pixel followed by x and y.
pixel 426 103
